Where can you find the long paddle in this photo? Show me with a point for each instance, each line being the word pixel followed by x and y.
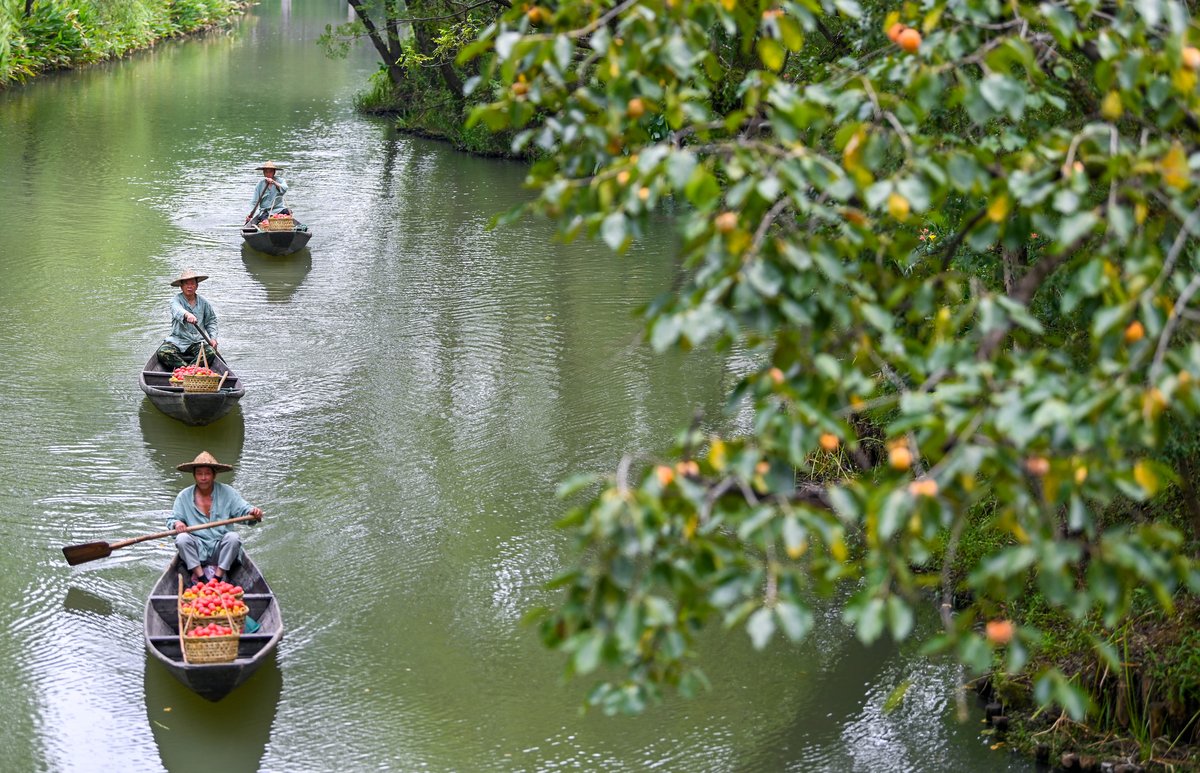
pixel 257 204
pixel 90 551
pixel 204 335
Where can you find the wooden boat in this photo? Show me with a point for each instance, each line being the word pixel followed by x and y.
pixel 190 407
pixel 276 242
pixel 212 680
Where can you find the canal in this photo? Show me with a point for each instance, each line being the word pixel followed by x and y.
pixel 417 385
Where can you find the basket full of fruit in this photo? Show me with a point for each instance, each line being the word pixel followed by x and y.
pixel 212 602
pixel 279 222
pixel 196 378
pixel 211 643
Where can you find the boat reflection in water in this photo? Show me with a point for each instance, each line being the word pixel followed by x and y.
pixel 194 734
pixel 280 276
pixel 170 443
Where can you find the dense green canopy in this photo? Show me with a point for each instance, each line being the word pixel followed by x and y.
pixel 955 238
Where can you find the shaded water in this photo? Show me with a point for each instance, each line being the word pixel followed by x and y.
pixel 417 385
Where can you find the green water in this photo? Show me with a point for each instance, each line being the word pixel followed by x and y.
pixel 416 387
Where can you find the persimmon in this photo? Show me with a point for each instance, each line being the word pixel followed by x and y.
pixel 1135 332
pixel 829 442
pixel 726 222
pixel 900 458
pixel 894 31
pixel 925 487
pixel 1000 631
pixel 909 40
pixel 1191 58
pixel 1037 465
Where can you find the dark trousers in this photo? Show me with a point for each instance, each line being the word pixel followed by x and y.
pixel 171 357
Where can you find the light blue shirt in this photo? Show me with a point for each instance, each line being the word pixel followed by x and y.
pixel 226 503
pixel 184 334
pixel 272 199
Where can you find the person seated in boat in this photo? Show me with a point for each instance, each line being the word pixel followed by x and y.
pixel 214 550
pixel 268 195
pixel 189 309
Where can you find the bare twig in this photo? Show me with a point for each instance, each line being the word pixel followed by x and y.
pixel 1164 339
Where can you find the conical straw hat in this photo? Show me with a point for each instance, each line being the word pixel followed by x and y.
pixel 204 459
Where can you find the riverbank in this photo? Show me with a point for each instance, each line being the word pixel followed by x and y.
pixel 436 114
pixel 1139 679
pixel 40 37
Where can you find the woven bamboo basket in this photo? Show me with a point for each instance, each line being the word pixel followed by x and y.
pixel 190 620
pixel 209 649
pixel 193 383
pixel 193 621
pixel 282 223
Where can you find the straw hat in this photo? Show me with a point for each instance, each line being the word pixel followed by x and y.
pixel 269 165
pixel 204 459
pixel 188 274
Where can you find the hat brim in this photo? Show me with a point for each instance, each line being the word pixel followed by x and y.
pixel 199 278
pixel 272 168
pixel 191 466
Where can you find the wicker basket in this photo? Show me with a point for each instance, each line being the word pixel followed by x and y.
pixel 209 649
pixel 192 383
pixel 189 621
pixel 284 223
pixel 236 621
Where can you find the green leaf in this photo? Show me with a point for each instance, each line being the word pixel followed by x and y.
pixel 761 626
pixel 870 621
pixel 795 620
pixel 900 618
pixel 615 231
pixel 1075 227
pixel 772 53
pixel 1003 94
pixel 894 513
pixel 896 696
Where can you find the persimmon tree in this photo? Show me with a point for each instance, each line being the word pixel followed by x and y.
pixel 958 239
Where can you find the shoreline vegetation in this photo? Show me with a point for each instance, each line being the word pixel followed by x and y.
pixel 42 36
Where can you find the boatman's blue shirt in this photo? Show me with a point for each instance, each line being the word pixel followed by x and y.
pixel 272 199
pixel 184 334
pixel 226 503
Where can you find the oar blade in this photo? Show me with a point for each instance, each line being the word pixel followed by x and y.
pixel 79 554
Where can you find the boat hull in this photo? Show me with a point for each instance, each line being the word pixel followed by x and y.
pixel 276 242
pixel 212 681
pixel 194 408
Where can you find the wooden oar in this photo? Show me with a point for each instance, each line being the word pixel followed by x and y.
pixel 90 551
pixel 204 335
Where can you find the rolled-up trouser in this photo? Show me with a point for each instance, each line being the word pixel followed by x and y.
pixel 228 552
pixel 171 357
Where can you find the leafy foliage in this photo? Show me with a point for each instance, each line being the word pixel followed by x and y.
pixel 68 33
pixel 959 237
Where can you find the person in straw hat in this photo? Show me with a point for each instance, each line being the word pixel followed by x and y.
pixel 268 194
pixel 189 309
pixel 218 548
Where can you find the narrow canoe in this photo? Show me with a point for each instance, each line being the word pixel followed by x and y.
pixel 212 680
pixel 276 242
pixel 193 408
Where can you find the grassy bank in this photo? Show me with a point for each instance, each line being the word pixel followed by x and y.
pixel 427 109
pixel 1140 679
pixel 44 35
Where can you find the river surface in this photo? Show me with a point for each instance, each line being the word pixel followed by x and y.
pixel 417 386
